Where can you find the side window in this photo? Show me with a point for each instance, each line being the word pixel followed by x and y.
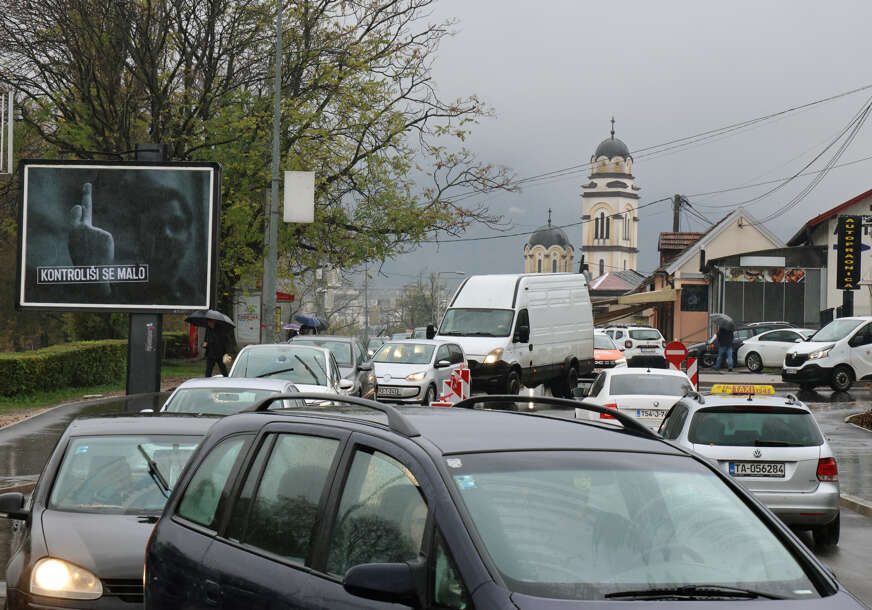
pixel 619 334
pixel 597 386
pixel 862 337
pixel 361 352
pixel 334 371
pixel 442 354
pixel 200 501
pixel 284 510
pixel 381 515
pixel 456 354
pixel 448 589
pixel 674 422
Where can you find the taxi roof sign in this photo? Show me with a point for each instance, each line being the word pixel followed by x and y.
pixel 742 388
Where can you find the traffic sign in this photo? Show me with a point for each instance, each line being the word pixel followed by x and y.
pixel 675 353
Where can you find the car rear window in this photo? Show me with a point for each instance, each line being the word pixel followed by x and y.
pixel 646 334
pixel 646 383
pixel 603 342
pixel 754 426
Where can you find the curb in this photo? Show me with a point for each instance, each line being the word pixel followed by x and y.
pixel 858 505
pixel 81 403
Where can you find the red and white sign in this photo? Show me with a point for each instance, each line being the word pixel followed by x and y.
pixel 455 388
pixel 693 373
pixel 675 353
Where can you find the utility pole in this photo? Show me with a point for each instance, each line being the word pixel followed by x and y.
pixel 676 211
pixel 270 261
pixel 366 302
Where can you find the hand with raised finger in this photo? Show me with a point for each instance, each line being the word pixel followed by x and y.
pixel 89 245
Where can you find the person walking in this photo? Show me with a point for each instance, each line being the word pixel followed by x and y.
pixel 725 346
pixel 216 346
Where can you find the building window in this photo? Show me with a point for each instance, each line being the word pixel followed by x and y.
pixel 627 226
pixel 625 265
pixel 554 265
pixel 602 266
pixel 596 228
pixel 608 226
pixel 539 266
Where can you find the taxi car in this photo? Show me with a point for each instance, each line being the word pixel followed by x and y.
pixel 772 444
pixel 646 394
pixel 366 505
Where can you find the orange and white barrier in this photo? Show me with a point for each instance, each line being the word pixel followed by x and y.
pixel 693 372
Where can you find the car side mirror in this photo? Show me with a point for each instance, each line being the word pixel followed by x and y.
pixel 364 366
pixel 370 352
pixel 442 364
pixel 12 505
pixel 431 331
pixel 345 384
pixel 146 410
pixel 522 335
pixel 384 582
pixel 798 340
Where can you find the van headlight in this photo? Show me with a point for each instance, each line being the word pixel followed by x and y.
pixel 822 353
pixel 494 356
pixel 57 578
pixel 419 376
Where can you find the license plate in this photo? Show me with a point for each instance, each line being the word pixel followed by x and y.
pixel 757 469
pixel 790 369
pixel 389 391
pixel 651 413
pixel 646 348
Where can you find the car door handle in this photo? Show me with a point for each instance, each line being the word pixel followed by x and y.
pixel 212 592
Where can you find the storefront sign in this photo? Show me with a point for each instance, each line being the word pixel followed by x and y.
pixel 848 253
pixel 778 275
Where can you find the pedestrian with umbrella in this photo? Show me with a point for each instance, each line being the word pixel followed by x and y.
pixel 216 343
pixel 725 339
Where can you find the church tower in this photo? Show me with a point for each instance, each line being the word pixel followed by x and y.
pixel 609 209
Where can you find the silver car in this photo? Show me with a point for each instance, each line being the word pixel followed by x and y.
pixel 772 445
pixel 226 395
pixel 413 370
pixel 351 357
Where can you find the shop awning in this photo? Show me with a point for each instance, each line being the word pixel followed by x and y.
pixel 656 296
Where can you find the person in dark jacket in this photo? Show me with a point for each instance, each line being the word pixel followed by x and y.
pixel 725 346
pixel 216 346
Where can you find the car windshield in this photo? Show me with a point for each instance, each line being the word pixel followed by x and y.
pixel 835 330
pixel 341 349
pixel 647 334
pixel 110 474
pixel 582 525
pixel 648 383
pixel 753 426
pixel 603 342
pixel 215 401
pixel 405 353
pixel 296 364
pixel 477 322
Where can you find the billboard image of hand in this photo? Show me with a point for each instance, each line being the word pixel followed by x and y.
pixel 89 245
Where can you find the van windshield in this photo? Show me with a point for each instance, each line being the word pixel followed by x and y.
pixel 835 330
pixel 477 322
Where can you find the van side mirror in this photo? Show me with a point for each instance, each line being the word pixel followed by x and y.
pixel 431 331
pixel 522 335
pixel 384 582
pixel 12 505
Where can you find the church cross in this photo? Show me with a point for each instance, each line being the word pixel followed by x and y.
pixel 613 128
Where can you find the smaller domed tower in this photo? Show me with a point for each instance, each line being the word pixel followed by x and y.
pixel 548 250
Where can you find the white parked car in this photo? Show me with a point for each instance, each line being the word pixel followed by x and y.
pixel 646 394
pixel 769 348
pixel 413 370
pixel 310 368
pixel 772 445
pixel 642 342
pixel 837 355
pixel 226 395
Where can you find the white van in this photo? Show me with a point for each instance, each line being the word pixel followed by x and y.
pixel 523 329
pixel 837 355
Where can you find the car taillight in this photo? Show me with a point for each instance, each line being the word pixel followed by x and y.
pixel 827 469
pixel 606 415
pixel 628 344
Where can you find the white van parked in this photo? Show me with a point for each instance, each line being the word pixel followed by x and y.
pixel 837 355
pixel 523 329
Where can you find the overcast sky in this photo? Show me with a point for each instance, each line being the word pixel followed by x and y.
pixel 555 71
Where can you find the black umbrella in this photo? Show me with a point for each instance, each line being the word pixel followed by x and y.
pixel 311 321
pixel 202 317
pixel 723 321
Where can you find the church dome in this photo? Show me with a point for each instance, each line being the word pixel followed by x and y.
pixel 612 147
pixel 547 236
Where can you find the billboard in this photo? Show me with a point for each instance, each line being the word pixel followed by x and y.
pixel 118 236
pixel 848 247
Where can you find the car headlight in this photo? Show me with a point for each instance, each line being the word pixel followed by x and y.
pixel 620 361
pixel 494 356
pixel 57 578
pixel 821 353
pixel 419 376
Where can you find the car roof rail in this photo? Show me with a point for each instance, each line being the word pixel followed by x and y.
pixel 396 421
pixel 631 424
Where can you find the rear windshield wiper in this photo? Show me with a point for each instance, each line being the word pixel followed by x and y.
pixel 155 473
pixel 692 592
pixel 759 443
pixel 275 372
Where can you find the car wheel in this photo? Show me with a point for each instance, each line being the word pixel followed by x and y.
pixel 754 362
pixel 827 535
pixel 708 360
pixel 429 396
pixel 842 378
pixel 562 386
pixel 513 382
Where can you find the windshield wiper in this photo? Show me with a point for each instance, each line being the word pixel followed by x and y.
pixel 308 368
pixel 452 333
pixel 155 473
pixel 759 443
pixel 692 592
pixel 275 372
